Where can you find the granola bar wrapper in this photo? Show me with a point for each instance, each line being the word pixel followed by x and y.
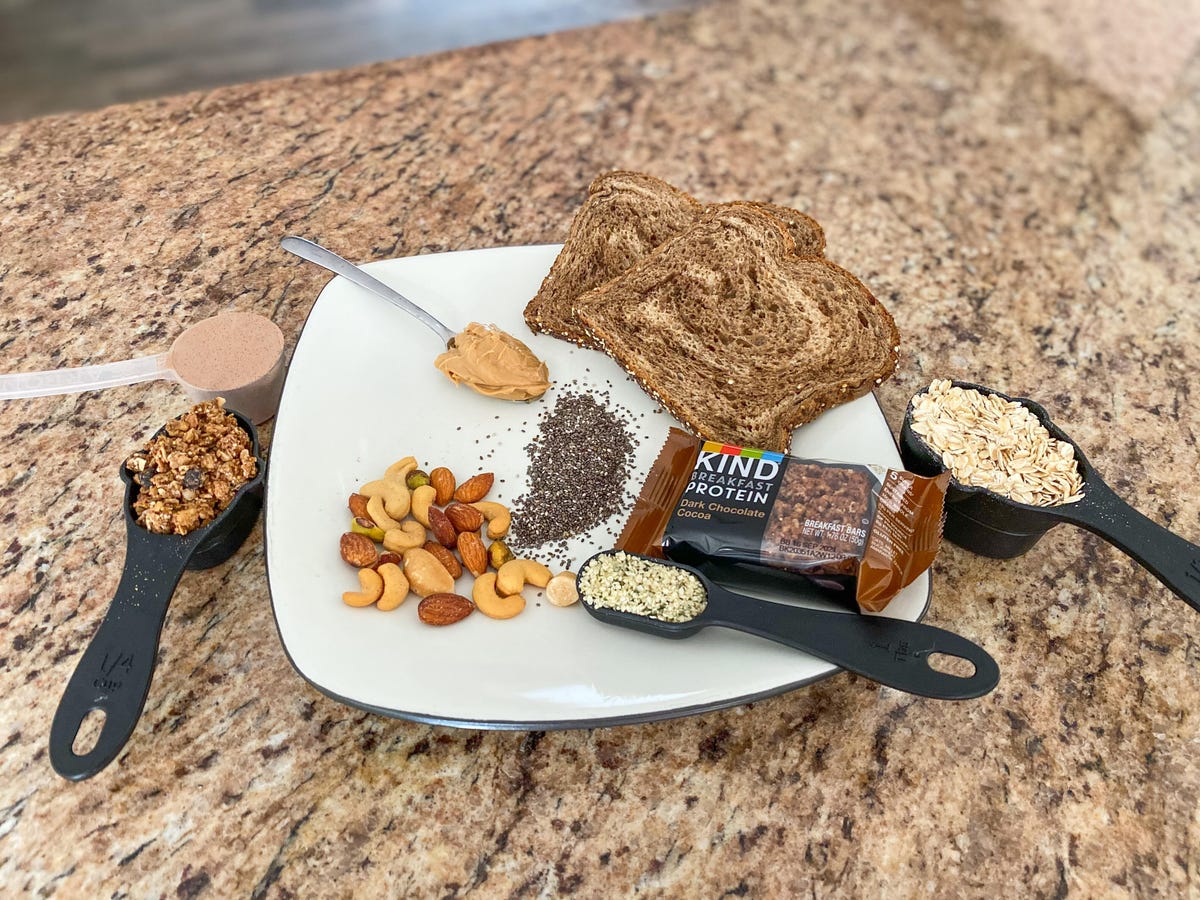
pixel 753 519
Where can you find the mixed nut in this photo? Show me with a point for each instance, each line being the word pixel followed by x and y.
pixel 431 529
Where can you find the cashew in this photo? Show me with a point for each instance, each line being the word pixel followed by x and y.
pixel 422 499
pixel 395 587
pixel 405 536
pixel 376 488
pixel 491 604
pixel 372 589
pixel 516 573
pixel 561 590
pixel 400 468
pixel 394 493
pixel 398 503
pixel 425 574
pixel 378 514
pixel 498 517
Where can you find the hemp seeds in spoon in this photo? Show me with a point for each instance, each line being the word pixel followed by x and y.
pixel 626 583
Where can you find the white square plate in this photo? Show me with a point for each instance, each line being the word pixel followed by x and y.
pixel 361 392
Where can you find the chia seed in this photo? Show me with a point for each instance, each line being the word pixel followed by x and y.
pixel 578 472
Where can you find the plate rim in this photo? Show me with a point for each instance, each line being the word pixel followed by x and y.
pixel 640 718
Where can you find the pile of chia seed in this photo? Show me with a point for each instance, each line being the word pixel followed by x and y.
pixel 578 472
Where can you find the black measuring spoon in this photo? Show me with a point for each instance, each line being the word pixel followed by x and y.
pixel 113 675
pixel 893 652
pixel 992 525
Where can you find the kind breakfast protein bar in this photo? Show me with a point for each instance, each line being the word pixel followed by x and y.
pixel 752 517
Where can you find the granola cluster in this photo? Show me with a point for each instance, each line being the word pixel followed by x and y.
pixel 189 473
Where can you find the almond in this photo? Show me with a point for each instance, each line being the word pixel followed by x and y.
pixel 446 558
pixel 463 517
pixel 358 506
pixel 474 555
pixel 443 530
pixel 442 480
pixel 385 558
pixel 444 609
pixel 474 488
pixel 358 550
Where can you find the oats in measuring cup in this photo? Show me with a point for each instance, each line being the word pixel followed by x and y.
pixel 997 444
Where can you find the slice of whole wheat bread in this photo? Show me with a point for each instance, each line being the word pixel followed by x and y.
pixel 804 229
pixel 741 338
pixel 626 216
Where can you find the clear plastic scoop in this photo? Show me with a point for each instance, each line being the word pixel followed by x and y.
pixel 235 355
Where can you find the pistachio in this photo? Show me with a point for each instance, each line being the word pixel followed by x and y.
pixel 499 554
pixel 416 478
pixel 363 525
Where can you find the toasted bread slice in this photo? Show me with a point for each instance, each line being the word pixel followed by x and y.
pixel 737 335
pixel 804 229
pixel 626 216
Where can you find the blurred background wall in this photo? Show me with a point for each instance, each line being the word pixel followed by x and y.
pixel 60 55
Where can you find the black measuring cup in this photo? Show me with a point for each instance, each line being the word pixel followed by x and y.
pixel 893 652
pixel 992 525
pixel 113 675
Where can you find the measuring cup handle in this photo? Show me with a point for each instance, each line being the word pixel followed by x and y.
pixel 1168 557
pixel 891 651
pixel 113 675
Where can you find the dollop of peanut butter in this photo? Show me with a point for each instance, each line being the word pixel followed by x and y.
pixel 495 364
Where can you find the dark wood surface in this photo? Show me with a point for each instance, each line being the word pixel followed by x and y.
pixel 78 54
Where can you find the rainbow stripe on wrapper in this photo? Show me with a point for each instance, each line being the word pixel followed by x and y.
pixel 731 450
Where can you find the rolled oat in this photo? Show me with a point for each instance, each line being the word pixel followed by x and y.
pixel 997 444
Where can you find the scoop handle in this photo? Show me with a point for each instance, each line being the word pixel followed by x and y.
pixel 114 673
pixel 893 652
pixel 16 385
pixel 1164 554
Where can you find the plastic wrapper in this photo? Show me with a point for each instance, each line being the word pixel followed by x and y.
pixel 752 517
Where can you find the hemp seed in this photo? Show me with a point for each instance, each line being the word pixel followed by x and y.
pixel 643 587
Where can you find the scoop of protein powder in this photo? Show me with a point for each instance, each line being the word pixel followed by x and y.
pixel 235 355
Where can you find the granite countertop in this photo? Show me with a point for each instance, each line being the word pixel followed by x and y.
pixel 1022 191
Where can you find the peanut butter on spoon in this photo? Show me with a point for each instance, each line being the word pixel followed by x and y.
pixel 495 364
pixel 484 358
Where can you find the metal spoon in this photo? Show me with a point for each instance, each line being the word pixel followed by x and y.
pixel 327 259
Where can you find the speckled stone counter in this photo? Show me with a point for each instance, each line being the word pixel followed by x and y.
pixel 1022 190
